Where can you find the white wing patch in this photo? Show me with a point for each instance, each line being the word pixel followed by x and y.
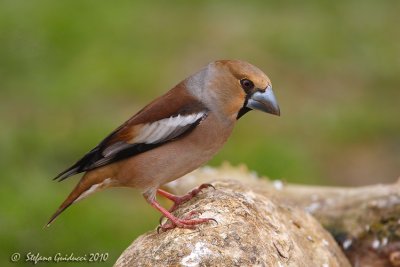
pixel 155 132
pixel 94 188
pixel 158 131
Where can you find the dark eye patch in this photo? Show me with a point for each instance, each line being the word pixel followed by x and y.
pixel 247 84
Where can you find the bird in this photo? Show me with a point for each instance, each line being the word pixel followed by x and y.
pixel 173 135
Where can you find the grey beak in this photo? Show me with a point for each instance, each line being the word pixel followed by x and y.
pixel 264 101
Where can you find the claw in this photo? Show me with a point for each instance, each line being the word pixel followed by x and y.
pixel 161 219
pixel 183 223
pixel 182 199
pixel 172 222
pixel 214 220
pixel 186 222
pixel 206 186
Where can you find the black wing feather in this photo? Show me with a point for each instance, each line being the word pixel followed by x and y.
pixel 95 158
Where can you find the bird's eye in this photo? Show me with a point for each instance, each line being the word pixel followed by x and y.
pixel 246 84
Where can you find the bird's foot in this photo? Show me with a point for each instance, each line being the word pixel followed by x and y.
pixel 173 222
pixel 178 200
pixel 186 222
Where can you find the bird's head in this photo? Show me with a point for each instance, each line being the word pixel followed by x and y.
pixel 235 87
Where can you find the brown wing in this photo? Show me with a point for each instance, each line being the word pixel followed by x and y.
pixel 167 118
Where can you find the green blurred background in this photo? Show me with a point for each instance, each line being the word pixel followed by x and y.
pixel 72 71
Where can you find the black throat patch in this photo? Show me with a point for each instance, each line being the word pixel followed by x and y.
pixel 244 109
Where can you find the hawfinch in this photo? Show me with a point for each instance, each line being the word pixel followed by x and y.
pixel 173 135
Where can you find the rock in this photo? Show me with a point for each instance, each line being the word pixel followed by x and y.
pixel 253 230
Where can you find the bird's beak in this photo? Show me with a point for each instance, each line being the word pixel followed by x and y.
pixel 264 101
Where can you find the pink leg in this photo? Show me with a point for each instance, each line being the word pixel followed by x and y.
pixel 187 221
pixel 180 200
pixel 169 225
pixel 176 222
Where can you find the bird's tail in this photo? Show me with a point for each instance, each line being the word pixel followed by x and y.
pixel 72 197
pixel 86 186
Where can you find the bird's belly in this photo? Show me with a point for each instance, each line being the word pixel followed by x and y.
pixel 174 159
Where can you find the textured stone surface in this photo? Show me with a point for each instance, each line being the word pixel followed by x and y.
pixel 253 230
